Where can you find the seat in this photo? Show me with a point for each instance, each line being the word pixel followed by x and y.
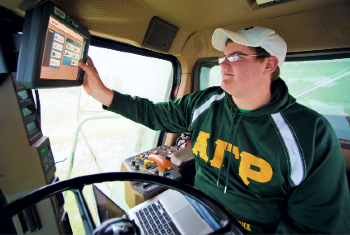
pixel 346 153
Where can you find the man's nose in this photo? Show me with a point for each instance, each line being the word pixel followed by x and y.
pixel 225 63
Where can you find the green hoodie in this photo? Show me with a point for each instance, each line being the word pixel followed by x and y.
pixel 278 169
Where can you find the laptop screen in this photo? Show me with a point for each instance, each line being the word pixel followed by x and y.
pixel 106 208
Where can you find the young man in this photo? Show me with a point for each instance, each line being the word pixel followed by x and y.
pixel 275 164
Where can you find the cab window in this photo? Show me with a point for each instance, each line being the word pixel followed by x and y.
pixel 85 139
pixel 320 84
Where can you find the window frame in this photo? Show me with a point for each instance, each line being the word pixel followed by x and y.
pixel 197 69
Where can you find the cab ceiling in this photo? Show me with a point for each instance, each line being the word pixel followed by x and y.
pixel 305 24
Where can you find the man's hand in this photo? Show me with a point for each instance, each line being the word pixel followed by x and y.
pixel 93 84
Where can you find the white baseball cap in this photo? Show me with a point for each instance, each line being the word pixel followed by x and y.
pixel 253 37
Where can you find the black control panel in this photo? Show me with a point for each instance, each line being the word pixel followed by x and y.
pixel 30 116
pixel 44 149
pixel 141 164
pixel 148 188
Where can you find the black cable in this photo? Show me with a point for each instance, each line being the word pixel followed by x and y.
pixel 60 161
pixel 38 109
pixel 178 139
pixel 184 142
pixel 184 135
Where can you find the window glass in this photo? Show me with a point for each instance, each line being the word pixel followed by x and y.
pixel 210 75
pixel 322 85
pixel 84 138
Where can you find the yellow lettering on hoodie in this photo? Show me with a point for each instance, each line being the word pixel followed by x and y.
pixel 221 146
pixel 201 145
pixel 262 176
pixel 245 225
pixel 235 151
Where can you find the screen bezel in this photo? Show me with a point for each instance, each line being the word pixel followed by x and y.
pixel 33 43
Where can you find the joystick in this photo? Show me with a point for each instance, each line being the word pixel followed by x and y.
pixel 162 163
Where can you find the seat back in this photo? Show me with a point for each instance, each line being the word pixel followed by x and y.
pixel 346 153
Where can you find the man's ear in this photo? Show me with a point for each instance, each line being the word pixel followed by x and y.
pixel 271 64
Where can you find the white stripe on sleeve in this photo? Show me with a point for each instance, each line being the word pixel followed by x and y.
pixel 295 157
pixel 197 112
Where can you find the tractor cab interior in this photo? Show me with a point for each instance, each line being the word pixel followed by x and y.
pixel 55 137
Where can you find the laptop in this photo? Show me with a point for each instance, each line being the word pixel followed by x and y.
pixel 167 213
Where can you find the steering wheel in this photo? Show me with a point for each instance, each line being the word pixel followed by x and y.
pixel 228 224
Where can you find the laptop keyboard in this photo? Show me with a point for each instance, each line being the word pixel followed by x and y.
pixel 155 220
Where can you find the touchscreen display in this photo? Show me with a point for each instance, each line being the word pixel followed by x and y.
pixel 62 52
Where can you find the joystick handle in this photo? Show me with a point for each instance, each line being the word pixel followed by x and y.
pixel 161 162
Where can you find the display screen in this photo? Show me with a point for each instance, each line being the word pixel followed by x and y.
pixel 63 50
pixel 51 48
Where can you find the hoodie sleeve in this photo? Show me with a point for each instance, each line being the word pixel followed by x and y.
pixel 320 204
pixel 171 116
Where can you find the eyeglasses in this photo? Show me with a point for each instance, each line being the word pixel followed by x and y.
pixel 233 57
